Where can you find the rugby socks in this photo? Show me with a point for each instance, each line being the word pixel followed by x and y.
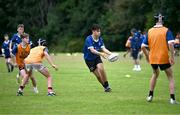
pixel 106 84
pixel 12 66
pixel 172 96
pixel 8 66
pixel 138 66
pixel 150 93
pixel 21 88
pixel 50 89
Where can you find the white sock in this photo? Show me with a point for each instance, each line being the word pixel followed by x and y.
pixel 138 66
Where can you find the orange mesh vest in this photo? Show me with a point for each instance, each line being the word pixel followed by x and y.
pixel 158 45
pixel 21 54
pixel 36 55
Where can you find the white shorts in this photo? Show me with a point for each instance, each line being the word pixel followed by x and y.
pixel 30 67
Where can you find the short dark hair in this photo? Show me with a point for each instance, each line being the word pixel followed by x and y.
pixel 95 27
pixel 24 35
pixel 20 25
pixel 133 30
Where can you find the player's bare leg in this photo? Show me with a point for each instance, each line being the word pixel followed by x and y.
pixel 9 65
pixel 103 77
pixel 170 77
pixel 46 73
pixel 23 83
pixel 30 74
pixel 102 72
pixel 154 79
pixel 96 73
pixel 153 84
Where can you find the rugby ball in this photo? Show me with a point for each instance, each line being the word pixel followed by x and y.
pixel 113 57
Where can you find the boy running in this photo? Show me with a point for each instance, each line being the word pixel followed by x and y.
pixel 19 54
pixel 6 53
pixel 160 41
pixel 93 49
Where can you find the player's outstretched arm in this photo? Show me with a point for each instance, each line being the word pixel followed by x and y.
pixel 10 46
pixel 146 53
pixel 14 60
pixel 98 53
pixel 13 55
pixel 171 48
pixel 106 51
pixel 47 56
pixel 2 50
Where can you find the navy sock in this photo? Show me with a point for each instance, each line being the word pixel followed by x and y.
pixel 7 64
pixel 150 93
pixel 106 84
pixel 21 87
pixel 50 88
pixel 172 96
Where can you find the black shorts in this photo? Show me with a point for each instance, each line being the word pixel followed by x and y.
pixel 21 68
pixel 161 66
pixel 92 64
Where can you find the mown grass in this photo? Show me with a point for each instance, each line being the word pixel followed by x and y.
pixel 78 91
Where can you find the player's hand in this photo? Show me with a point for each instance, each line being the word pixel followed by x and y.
pixel 171 60
pixel 15 65
pixel 55 67
pixel 10 50
pixel 103 55
pixel 147 59
pixel 11 54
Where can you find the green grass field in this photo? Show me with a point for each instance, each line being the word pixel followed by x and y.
pixel 78 91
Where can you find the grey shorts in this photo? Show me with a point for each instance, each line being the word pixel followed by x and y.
pixel 30 67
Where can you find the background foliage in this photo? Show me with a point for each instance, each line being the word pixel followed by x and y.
pixel 66 23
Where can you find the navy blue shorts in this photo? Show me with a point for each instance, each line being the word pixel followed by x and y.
pixel 93 63
pixel 176 45
pixel 7 55
pixel 134 53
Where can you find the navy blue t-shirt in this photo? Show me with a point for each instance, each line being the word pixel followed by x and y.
pixel 5 46
pixel 136 41
pixel 16 39
pixel 90 43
